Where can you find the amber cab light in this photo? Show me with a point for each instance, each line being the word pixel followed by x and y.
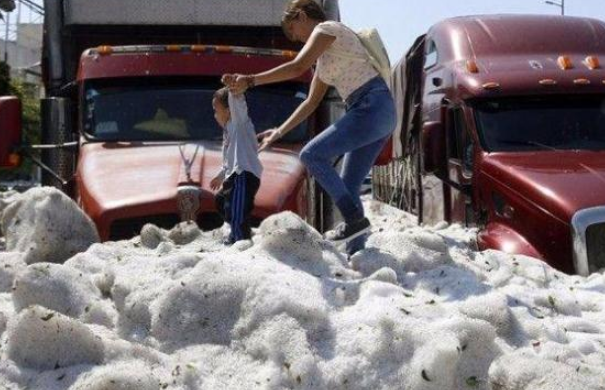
pixel 491 85
pixel 471 66
pixel 105 50
pixel 592 62
pixel 14 159
pixel 564 62
pixel 198 48
pixel 548 82
pixel 289 53
pixel 173 48
pixel 223 49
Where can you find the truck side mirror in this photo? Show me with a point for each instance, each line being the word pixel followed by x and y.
pixel 433 147
pixel 10 131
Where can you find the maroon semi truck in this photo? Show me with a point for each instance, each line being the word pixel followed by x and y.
pixel 128 120
pixel 502 128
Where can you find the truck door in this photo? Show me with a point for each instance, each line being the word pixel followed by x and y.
pixel 460 150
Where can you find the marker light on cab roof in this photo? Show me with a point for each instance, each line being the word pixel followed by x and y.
pixel 105 50
pixel 548 82
pixel 592 62
pixel 564 62
pixel 471 66
pixel 289 53
pixel 173 48
pixel 491 85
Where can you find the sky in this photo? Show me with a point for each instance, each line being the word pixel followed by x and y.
pixel 399 22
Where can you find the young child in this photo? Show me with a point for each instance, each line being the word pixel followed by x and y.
pixel 241 172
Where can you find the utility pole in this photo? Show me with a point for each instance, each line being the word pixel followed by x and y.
pixel 559 3
pixel 8 17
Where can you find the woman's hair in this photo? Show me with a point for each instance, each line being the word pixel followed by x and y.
pixel 311 8
pixel 222 95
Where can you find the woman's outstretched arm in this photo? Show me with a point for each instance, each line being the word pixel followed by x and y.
pixel 302 112
pixel 317 44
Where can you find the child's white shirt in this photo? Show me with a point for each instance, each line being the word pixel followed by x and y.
pixel 240 146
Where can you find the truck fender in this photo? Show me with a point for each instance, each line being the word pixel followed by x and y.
pixel 501 237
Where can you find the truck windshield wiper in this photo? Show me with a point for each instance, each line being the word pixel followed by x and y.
pixel 526 143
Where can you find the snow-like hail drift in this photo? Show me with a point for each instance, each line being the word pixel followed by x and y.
pixel 418 309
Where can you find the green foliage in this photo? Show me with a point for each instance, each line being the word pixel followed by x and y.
pixel 4 79
pixel 30 104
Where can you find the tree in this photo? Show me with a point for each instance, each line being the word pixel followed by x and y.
pixel 7 5
pixel 4 79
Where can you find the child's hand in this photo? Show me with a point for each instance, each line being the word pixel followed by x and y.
pixel 228 79
pixel 238 83
pixel 216 183
pixel 266 138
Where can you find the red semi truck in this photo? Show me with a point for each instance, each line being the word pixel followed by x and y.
pixel 128 113
pixel 502 127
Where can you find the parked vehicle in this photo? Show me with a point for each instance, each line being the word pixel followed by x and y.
pixel 127 118
pixel 502 127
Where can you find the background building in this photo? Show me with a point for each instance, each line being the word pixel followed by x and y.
pixel 21 38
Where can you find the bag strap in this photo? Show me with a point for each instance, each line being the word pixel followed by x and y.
pixel 345 55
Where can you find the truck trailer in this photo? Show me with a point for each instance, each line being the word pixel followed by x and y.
pixel 127 121
pixel 502 128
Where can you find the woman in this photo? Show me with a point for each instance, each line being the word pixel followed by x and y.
pixel 359 135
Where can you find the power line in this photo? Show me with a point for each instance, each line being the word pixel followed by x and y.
pixel 37 8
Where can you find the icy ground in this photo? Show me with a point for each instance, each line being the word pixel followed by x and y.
pixel 419 309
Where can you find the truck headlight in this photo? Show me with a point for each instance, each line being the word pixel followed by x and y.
pixel 588 236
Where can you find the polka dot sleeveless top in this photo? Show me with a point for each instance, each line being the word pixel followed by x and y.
pixel 345 74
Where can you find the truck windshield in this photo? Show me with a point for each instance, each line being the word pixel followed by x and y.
pixel 179 112
pixel 544 123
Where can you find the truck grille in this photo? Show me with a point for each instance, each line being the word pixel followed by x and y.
pixel 127 228
pixel 595 246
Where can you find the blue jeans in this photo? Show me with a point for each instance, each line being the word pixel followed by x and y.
pixel 359 135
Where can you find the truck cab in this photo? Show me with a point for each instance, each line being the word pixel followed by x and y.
pixel 128 108
pixel 503 129
pixel 149 145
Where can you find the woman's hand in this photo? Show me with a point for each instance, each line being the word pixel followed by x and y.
pixel 242 83
pixel 267 137
pixel 228 79
pixel 237 83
